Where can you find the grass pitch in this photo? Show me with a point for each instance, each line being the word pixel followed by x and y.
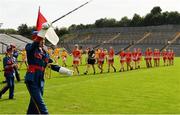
pixel 143 91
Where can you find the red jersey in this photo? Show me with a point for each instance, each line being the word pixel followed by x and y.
pixel 164 54
pixel 76 54
pixel 139 54
pixel 170 55
pixel 155 54
pixel 158 54
pixel 122 56
pixel 146 54
pixel 102 56
pixel 150 54
pixel 128 56
pixel 111 54
pixel 134 55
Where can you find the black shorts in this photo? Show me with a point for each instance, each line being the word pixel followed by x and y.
pixel 91 61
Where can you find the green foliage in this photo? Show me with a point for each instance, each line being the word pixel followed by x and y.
pixel 124 22
pixel 26 31
pixel 8 31
pixel 154 18
pixel 104 22
pixel 136 20
pixel 156 10
pixel 79 27
pixel 62 31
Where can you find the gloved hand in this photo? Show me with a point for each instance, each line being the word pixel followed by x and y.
pixel 62 70
pixel 66 71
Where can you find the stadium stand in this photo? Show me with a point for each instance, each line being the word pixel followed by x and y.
pixel 18 40
pixel 127 37
pixel 21 38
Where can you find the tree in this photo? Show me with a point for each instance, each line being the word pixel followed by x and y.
pixel 8 31
pixel 124 22
pixel 62 31
pixel 165 17
pixel 72 27
pixel 104 22
pixel 136 20
pixel 173 18
pixel 156 10
pixel 23 30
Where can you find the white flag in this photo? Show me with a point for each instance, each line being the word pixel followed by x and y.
pixel 51 36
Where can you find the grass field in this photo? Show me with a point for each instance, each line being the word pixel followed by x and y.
pixel 155 90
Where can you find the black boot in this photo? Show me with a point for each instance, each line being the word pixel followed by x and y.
pixel 11 97
pixel 4 81
pixel 85 73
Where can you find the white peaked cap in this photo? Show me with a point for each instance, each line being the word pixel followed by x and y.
pixel 48 32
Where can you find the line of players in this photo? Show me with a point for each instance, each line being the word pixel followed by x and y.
pixel 132 60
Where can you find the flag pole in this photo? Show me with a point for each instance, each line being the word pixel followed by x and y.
pixel 71 11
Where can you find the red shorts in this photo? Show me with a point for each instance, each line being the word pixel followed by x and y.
pixel 122 61
pixel 100 62
pixel 155 58
pixel 135 60
pixel 164 58
pixel 76 62
pixel 146 59
pixel 111 61
pixel 128 60
pixel 138 59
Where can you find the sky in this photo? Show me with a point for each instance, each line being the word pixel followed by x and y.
pixel 16 12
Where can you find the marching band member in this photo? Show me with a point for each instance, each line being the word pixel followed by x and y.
pixel 38 59
pixel 9 65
